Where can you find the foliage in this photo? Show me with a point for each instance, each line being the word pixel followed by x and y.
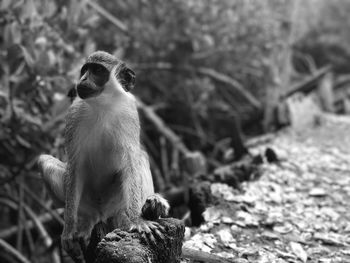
pixel 44 43
pixel 328 36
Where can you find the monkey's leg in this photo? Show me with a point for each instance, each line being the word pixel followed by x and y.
pixel 86 223
pixel 52 171
pixel 70 237
pixel 155 206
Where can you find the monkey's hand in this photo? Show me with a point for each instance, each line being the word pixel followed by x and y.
pixel 155 206
pixel 148 230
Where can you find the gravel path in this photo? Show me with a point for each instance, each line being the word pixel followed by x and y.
pixel 297 211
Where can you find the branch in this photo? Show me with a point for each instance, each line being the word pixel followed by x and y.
pixel 36 220
pixel 162 127
pixel 54 214
pixel 205 257
pixel 212 52
pixel 99 9
pixel 8 232
pixel 306 85
pixel 206 72
pixel 9 252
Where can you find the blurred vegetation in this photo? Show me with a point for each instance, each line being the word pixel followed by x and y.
pixel 191 57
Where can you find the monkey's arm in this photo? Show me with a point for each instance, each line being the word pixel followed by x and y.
pixel 52 171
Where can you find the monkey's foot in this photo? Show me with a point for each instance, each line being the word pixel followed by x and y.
pixel 75 245
pixel 155 206
pixel 148 230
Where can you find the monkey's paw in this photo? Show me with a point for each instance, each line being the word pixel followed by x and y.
pixel 148 230
pixel 75 244
pixel 155 206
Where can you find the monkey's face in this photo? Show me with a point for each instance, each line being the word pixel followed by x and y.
pixel 95 78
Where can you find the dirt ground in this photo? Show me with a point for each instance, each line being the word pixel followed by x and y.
pixel 297 211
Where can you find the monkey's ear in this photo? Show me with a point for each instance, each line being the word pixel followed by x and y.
pixel 127 77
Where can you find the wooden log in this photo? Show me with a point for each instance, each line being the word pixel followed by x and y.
pixel 120 246
pixel 308 84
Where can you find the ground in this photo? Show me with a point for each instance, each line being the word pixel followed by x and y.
pixel 297 211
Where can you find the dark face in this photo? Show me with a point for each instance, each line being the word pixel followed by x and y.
pixel 93 78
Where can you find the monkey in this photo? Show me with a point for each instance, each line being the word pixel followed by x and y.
pixel 107 176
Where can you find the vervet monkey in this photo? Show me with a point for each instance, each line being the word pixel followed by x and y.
pixel 107 176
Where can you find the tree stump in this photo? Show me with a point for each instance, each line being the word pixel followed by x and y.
pixel 121 246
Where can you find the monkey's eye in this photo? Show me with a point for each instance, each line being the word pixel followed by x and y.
pixel 83 70
pixel 97 69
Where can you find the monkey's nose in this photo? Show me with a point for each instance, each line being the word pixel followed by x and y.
pixel 84 77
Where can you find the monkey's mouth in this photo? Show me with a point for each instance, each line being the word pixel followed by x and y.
pixel 86 91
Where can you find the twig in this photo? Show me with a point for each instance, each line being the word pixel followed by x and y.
pixel 259 140
pixel 212 52
pixel 19 240
pixel 205 257
pixel 29 239
pixel 52 123
pixel 159 181
pixel 306 84
pixel 39 225
pixel 47 240
pixel 175 162
pixel 206 72
pixel 54 214
pixel 162 128
pixel 15 255
pixel 164 158
pixel 37 222
pixel 8 232
pixel 119 24
pixel 189 131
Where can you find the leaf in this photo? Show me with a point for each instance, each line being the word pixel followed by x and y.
pixel 226 236
pixel 49 9
pixel 223 191
pixel 329 239
pixel 29 10
pixel 205 242
pixel 317 192
pixel 4 4
pixel 23 142
pixel 270 235
pixel 211 214
pixel 12 34
pixel 283 229
pixel 14 56
pixel 298 250
pixel 28 57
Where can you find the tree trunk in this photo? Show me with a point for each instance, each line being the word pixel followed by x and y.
pixel 123 247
